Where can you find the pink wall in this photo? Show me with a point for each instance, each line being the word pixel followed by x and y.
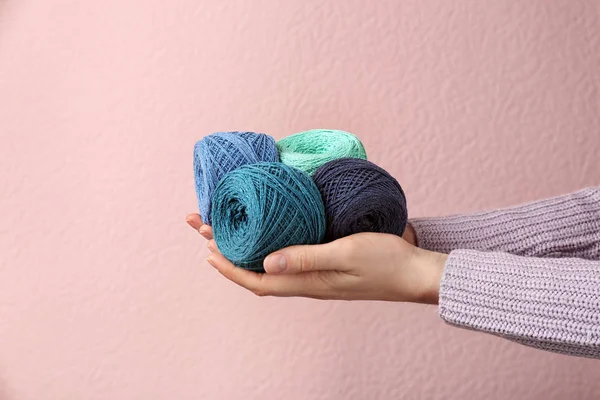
pixel 104 292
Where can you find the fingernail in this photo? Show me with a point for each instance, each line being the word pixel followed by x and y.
pixel 211 262
pixel 275 263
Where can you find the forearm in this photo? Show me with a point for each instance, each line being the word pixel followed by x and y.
pixel 564 226
pixel 551 304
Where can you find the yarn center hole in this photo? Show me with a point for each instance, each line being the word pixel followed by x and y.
pixel 368 222
pixel 237 213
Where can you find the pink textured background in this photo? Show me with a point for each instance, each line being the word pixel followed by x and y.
pixel 104 292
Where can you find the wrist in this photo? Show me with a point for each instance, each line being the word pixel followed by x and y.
pixel 431 267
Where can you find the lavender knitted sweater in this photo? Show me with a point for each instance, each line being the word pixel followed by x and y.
pixel 530 273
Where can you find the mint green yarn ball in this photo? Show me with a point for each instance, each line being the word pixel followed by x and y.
pixel 307 151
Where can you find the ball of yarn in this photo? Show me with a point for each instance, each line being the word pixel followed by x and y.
pixel 359 196
pixel 222 152
pixel 260 208
pixel 309 150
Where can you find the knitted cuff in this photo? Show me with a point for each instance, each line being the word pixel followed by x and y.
pixel 552 304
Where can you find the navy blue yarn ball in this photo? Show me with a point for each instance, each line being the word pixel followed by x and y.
pixel 217 154
pixel 261 208
pixel 359 196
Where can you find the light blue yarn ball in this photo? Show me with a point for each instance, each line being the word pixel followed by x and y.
pixel 261 208
pixel 217 154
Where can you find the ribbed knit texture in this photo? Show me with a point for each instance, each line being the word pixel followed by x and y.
pixel 546 294
pixel 564 226
pixel 551 304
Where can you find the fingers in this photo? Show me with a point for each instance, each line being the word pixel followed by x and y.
pixel 305 285
pixel 212 246
pixel 248 279
pixel 195 222
pixel 206 232
pixel 298 259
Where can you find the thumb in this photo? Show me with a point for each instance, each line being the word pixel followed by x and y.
pixel 305 258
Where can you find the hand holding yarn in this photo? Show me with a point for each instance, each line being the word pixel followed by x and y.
pixel 259 207
pixel 271 209
pixel 364 266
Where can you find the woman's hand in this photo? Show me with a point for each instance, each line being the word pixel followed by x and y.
pixel 364 266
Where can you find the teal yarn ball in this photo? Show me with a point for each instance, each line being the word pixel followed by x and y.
pixel 261 208
pixel 307 151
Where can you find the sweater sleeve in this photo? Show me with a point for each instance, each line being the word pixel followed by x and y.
pixel 564 226
pixel 547 303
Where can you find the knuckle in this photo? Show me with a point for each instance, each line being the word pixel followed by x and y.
pixel 347 250
pixel 306 261
pixel 259 289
